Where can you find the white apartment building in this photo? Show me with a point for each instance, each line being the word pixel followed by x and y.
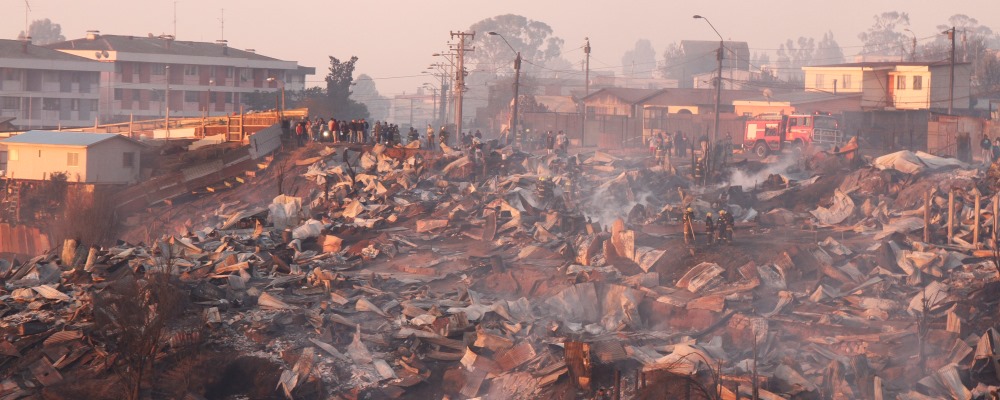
pixel 45 88
pixel 195 78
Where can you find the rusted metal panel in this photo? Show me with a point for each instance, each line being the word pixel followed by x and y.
pixel 22 240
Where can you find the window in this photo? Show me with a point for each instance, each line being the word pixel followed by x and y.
pixel 901 82
pixel 918 82
pixel 191 96
pixel 246 74
pixel 805 121
pixel 11 74
pixel 845 82
pixel 191 70
pixel 155 95
pixel 74 104
pixel 229 72
pixel 128 159
pixel 820 81
pixel 73 159
pixel 11 103
pixel 118 94
pixel 229 98
pixel 50 104
pixel 158 69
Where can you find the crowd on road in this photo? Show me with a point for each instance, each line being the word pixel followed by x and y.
pixel 317 129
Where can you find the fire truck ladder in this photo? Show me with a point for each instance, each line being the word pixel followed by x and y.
pixel 10 202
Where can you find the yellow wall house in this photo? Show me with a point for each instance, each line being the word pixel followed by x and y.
pixel 894 85
pixel 101 158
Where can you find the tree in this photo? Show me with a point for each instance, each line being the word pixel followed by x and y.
pixel 972 43
pixel 366 93
pixel 532 38
pixel 882 37
pixel 338 91
pixel 640 62
pixel 673 62
pixel 43 32
pixel 828 51
pixel 792 56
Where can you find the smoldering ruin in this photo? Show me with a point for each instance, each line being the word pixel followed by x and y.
pixel 394 272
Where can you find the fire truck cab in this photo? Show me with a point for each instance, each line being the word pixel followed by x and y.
pixel 772 132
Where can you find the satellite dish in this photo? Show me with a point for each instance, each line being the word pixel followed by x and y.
pixel 97 55
pixel 104 53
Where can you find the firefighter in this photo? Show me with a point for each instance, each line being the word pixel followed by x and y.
pixel 699 169
pixel 710 227
pixel 543 190
pixel 725 228
pixel 688 220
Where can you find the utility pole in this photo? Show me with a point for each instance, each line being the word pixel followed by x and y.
pixel 718 91
pixel 586 92
pixel 167 95
pixel 718 78
pixel 460 76
pixel 951 82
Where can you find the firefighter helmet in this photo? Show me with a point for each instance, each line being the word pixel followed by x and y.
pixel 722 212
pixel 708 215
pixel 689 209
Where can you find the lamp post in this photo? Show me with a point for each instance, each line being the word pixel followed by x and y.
pixel 208 105
pixel 517 84
pixel 434 90
pixel 449 70
pixel 913 48
pixel 281 83
pixel 167 95
pixel 718 78
pixel 442 111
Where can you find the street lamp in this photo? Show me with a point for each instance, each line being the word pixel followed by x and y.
pixel 435 91
pixel 913 49
pixel 718 79
pixel 443 110
pixel 167 116
pixel 281 110
pixel 517 83
pixel 208 105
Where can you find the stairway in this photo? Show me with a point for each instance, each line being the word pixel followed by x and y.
pixel 10 200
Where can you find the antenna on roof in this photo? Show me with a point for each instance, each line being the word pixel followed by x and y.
pixel 175 20
pixel 222 24
pixel 27 8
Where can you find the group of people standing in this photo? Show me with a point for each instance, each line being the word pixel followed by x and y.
pixel 991 149
pixel 317 129
pixel 556 144
pixel 716 231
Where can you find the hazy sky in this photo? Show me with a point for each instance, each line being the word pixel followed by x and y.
pixel 394 40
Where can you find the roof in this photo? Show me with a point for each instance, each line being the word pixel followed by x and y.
pixel 798 97
pixel 558 103
pixel 72 139
pixel 886 64
pixel 695 96
pixel 156 45
pixel 627 95
pixel 16 49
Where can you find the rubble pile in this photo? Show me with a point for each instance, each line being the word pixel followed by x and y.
pixel 402 273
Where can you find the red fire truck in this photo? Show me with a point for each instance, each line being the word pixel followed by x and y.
pixel 771 132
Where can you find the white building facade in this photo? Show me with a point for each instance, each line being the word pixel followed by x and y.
pixel 153 74
pixel 44 88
